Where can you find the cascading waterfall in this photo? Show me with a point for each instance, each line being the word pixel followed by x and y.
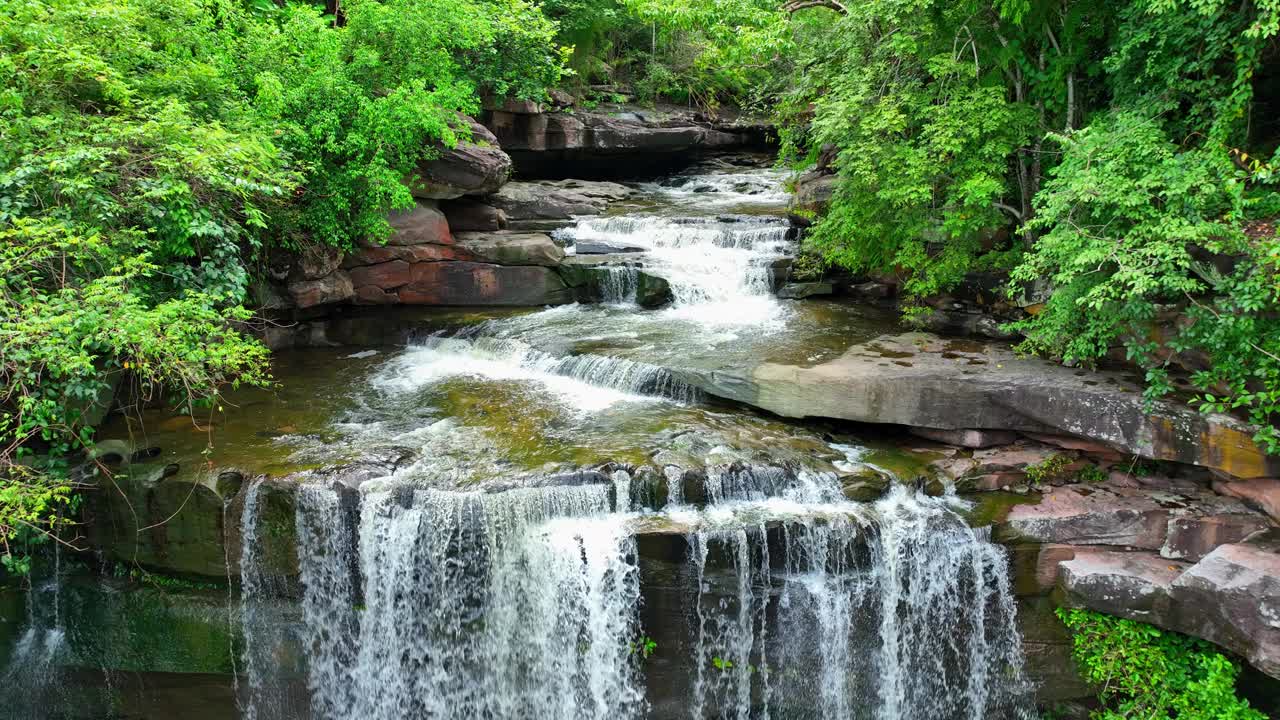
pixel 713 264
pixel 266 695
pixel 620 285
pixel 892 611
pixel 525 602
pixel 579 378
pixel 519 604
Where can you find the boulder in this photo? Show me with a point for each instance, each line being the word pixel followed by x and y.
pixel 333 288
pixel 1262 494
pixel 801 290
pixel 317 261
pixel 512 248
pixel 1131 585
pixel 473 283
pixel 475 167
pixel 1085 516
pixel 1231 597
pixel 922 380
pixel 813 193
pixel 535 201
pixel 424 224
pixel 469 215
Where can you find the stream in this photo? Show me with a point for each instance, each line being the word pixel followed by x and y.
pixel 568 528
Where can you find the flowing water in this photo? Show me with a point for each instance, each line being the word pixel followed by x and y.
pixel 534 516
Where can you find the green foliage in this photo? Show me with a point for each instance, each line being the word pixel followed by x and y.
pixel 1145 672
pixel 1106 156
pixel 150 151
pixel 1051 468
pixel 923 137
pixel 645 646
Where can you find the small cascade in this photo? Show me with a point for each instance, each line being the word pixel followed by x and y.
pixel 620 284
pixel 519 604
pixel 720 269
pixel 588 382
pixel 30 679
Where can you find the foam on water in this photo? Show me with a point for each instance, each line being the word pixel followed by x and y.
pixel 518 604
pixel 587 383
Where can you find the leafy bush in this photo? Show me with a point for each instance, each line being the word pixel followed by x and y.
pixel 151 150
pixel 1145 672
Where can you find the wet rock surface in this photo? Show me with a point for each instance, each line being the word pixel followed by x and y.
pixel 923 380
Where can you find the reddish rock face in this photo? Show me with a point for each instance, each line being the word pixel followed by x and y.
pixel 333 288
pixel 468 283
pixel 422 225
pixel 1263 494
pixel 1231 597
pixel 478 167
pixel 386 276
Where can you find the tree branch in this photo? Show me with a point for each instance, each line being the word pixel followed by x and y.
pixel 1017 214
pixel 797 5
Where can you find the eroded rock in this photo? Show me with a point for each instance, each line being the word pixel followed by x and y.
pixel 476 167
pixel 922 380
pixel 512 248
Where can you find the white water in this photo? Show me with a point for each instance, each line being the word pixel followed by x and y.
pixel 510 605
pixel 587 383
pixel 892 611
pixel 526 603
pixel 720 272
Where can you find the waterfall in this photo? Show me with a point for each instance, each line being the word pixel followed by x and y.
pixel 268 638
pixel 29 681
pixel 587 382
pixel 620 285
pixel 720 269
pixel 899 612
pixel 519 604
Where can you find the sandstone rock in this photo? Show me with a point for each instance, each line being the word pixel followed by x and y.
pixel 406 253
pixel 1263 494
pixel 969 438
pixel 386 276
pixel 1086 516
pixel 1232 598
pixel 422 225
pixel 477 167
pixel 469 283
pixel 562 144
pixel 512 248
pixel 535 201
pixel 333 288
pixel 162 517
pixel 922 380
pixel 1193 537
pixel 812 196
pixel 466 214
pixel 1131 585
pixel 801 290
